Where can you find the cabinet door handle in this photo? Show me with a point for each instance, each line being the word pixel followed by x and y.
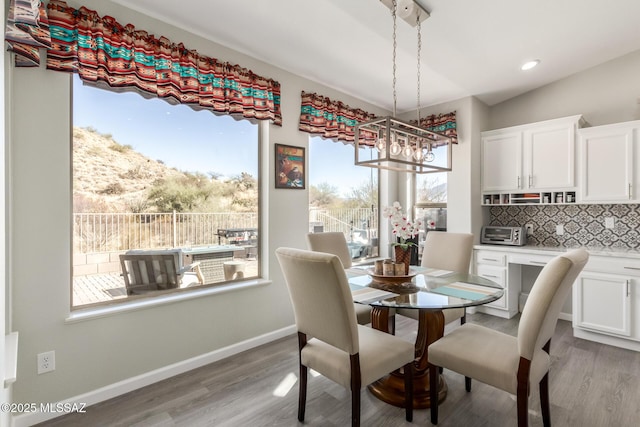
pixel 632 268
pixel 628 290
pixel 630 195
pixel 530 181
pixel 538 262
pixel 491 259
pixel 491 275
pixel 518 181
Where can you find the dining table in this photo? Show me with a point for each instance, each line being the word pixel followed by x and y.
pixel 429 291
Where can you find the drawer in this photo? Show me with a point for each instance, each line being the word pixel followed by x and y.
pixel 526 259
pixel 612 265
pixel 493 273
pixel 491 258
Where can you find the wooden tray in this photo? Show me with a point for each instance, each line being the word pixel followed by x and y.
pixel 390 279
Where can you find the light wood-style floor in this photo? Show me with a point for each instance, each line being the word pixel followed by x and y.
pixel 590 385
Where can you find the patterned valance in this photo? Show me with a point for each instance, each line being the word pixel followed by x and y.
pixel 101 50
pixel 27 31
pixel 442 123
pixel 320 115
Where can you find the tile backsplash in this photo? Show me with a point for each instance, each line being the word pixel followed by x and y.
pixel 584 225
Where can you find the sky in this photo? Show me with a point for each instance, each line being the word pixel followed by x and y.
pixel 199 141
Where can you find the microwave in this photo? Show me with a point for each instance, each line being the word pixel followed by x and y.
pixel 496 235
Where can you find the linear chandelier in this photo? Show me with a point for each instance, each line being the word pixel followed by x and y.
pixel 401 145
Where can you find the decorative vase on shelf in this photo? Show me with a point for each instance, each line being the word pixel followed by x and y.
pixel 403 255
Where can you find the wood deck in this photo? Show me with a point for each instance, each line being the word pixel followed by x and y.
pixel 96 288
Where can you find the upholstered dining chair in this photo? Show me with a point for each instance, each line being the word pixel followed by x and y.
pixel 335 243
pixel 446 251
pixel 512 363
pixel 330 340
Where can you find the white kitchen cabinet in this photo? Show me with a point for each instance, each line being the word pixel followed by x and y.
pixel 492 265
pixel 606 300
pixel 603 303
pixel 521 162
pixel 502 161
pixel 609 158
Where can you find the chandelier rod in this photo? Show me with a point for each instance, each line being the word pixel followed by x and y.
pixel 393 14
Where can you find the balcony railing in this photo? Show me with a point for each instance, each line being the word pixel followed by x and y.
pixel 113 232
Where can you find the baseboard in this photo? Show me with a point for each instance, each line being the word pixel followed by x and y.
pixel 134 383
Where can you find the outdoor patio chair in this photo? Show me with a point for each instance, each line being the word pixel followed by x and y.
pixel 156 272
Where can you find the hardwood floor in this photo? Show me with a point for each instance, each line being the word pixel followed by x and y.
pixel 590 385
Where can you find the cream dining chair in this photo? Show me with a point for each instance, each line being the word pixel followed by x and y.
pixel 335 243
pixel 445 251
pixel 330 340
pixel 512 363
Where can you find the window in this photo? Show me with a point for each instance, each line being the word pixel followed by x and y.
pixel 431 199
pixel 343 197
pixel 151 178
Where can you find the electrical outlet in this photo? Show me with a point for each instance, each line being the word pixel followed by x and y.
pixel 609 222
pixel 559 229
pixel 529 228
pixel 46 362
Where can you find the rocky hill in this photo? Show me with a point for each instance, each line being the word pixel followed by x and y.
pixel 110 177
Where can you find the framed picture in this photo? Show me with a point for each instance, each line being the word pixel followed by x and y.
pixel 290 167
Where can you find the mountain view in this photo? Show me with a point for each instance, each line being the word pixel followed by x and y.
pixel 110 177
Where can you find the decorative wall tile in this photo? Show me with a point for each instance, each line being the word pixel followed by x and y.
pixel 583 224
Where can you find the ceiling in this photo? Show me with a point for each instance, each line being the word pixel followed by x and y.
pixel 469 47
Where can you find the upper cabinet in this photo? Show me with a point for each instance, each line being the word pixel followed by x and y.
pixel 533 163
pixel 609 161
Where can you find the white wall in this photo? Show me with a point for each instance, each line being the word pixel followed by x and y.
pixel 607 93
pixel 99 352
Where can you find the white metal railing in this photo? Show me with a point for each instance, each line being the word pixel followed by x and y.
pixel 109 232
pixel 113 232
pixel 349 221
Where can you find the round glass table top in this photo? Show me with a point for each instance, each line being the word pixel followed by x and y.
pixel 429 288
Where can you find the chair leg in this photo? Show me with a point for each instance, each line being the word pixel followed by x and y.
pixel 433 392
pixel 467 384
pixel 408 391
pixel 356 384
pixel 544 401
pixel 463 319
pixel 522 392
pixel 302 396
pixel 302 393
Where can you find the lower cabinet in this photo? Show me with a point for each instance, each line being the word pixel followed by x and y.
pixel 606 301
pixel 603 303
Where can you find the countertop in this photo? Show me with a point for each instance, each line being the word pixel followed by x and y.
pixel 554 250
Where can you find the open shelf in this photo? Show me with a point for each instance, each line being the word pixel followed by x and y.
pixel 529 198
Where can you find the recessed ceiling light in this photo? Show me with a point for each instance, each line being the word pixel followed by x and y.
pixel 529 64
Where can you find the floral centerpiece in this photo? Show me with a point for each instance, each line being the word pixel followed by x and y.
pixel 403 229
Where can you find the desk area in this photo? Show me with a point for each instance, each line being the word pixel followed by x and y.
pixel 430 291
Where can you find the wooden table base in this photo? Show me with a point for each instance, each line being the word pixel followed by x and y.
pixel 390 389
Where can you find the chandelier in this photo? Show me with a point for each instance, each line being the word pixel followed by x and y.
pixel 398 145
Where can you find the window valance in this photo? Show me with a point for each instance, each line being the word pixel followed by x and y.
pixel 101 50
pixel 320 115
pixel 442 123
pixel 27 30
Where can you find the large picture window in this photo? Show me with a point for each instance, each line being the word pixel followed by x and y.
pixel 343 197
pixel 165 198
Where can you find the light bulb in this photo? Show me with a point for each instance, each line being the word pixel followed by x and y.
pixel 395 148
pixel 429 157
pixel 419 154
pixel 408 150
pixel 381 144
